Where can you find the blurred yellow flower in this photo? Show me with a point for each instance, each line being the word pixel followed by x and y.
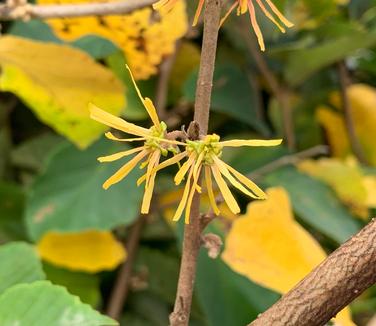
pixel 242 7
pixel 155 145
pixel 248 5
pixel 205 154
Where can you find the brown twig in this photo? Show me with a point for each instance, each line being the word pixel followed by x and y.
pixel 27 11
pixel 162 84
pixel 121 287
pixel 280 92
pixel 344 81
pixel 330 287
pixel 192 231
pixel 289 159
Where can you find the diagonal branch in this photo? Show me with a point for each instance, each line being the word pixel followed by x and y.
pixel 330 287
pixel 27 11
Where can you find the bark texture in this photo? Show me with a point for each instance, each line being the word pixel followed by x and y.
pixel 330 287
pixel 192 231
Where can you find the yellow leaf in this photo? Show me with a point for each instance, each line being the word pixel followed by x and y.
pixel 334 126
pixel 89 251
pixel 57 82
pixel 369 183
pixel 363 103
pixel 145 36
pixel 344 177
pixel 269 247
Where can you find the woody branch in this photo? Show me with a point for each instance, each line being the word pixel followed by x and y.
pixel 17 9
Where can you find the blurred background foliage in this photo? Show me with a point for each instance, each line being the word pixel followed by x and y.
pixel 62 235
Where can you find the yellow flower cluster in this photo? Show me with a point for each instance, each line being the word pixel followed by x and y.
pixel 242 7
pixel 201 155
pixel 145 36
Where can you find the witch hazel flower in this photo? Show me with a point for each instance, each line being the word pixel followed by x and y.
pixel 154 146
pixel 242 7
pixel 204 155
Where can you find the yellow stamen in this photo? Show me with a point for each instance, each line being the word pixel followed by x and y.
pixel 226 193
pixel 252 142
pixel 116 122
pixel 209 187
pixel 124 170
pixel 117 156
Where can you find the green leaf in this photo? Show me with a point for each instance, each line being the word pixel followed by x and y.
pixel 42 303
pixel 316 204
pixel 19 263
pixel 96 46
pixel 12 201
pixel 232 95
pixel 163 272
pixel 85 286
pixel 303 63
pixel 69 196
pixel 32 153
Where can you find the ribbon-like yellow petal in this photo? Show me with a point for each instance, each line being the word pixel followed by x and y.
pixel 184 198
pixel 282 18
pixel 243 4
pixel 223 169
pixel 209 187
pixel 192 193
pixel 226 193
pixel 251 142
pixel 267 14
pixel 119 155
pixel 198 12
pixel 116 122
pixel 175 159
pixel 228 13
pixel 148 104
pixel 255 25
pixel 250 184
pixel 184 169
pixel 124 170
pixel 150 181
pixel 111 136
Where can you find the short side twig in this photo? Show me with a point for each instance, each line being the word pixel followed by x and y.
pixel 121 287
pixel 330 287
